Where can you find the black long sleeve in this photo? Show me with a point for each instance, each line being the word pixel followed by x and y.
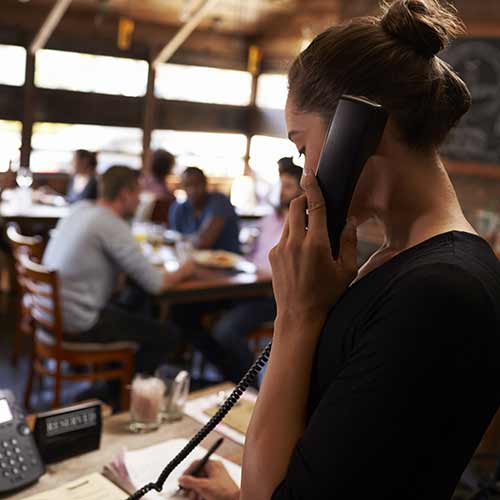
pixel 405 378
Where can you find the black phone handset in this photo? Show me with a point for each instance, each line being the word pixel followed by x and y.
pixel 353 137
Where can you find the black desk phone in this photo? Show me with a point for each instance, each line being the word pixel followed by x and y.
pixel 20 462
pixel 353 136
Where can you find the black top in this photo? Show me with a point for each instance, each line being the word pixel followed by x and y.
pixel 405 378
pixel 89 192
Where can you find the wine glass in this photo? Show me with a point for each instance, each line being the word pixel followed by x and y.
pixel 24 177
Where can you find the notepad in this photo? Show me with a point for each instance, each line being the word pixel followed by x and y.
pixel 91 487
pixel 236 422
pixel 139 467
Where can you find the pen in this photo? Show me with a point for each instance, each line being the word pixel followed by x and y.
pixel 199 467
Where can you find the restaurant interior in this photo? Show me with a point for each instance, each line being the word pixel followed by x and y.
pixel 178 97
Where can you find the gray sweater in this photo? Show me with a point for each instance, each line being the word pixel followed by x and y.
pixel 89 249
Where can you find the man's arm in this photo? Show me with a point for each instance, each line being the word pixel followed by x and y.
pixel 209 232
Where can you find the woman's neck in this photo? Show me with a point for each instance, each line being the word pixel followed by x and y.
pixel 413 200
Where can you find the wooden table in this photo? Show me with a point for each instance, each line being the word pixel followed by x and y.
pixel 115 436
pixel 35 213
pixel 211 285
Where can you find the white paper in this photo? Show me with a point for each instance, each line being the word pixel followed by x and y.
pixel 195 409
pixel 145 465
pixel 91 487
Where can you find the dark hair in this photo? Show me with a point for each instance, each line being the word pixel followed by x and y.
pixel 389 59
pixel 287 167
pixel 115 179
pixel 162 163
pixel 89 156
pixel 195 171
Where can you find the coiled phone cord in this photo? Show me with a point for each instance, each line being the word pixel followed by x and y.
pixel 233 398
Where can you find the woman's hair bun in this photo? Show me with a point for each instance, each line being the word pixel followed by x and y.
pixel 425 25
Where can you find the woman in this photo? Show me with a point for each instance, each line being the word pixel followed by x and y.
pixel 83 184
pixel 161 166
pixel 381 382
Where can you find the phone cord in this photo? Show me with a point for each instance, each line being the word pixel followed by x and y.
pixel 233 398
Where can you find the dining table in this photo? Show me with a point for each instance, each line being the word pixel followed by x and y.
pixel 210 283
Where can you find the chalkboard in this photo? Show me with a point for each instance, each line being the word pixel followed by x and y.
pixel 477 137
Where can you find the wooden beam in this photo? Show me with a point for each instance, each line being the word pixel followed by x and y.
pixel 29 103
pixel 49 25
pixel 253 101
pixel 148 119
pixel 181 36
pixel 78 32
pixel 65 106
pixel 476 169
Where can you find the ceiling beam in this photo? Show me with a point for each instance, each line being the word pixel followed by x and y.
pixel 49 25
pixel 181 36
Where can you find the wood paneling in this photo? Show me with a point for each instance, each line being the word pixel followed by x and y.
pixel 180 115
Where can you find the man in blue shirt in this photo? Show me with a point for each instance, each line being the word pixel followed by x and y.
pixel 208 217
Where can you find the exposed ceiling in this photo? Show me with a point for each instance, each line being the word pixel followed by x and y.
pixel 280 27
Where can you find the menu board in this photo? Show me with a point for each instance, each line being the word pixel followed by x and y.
pixel 477 137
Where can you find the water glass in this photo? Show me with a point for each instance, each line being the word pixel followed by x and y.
pixel 175 394
pixel 184 250
pixel 24 177
pixel 146 403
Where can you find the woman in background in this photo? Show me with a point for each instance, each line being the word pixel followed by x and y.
pixel 381 381
pixel 83 183
pixel 162 163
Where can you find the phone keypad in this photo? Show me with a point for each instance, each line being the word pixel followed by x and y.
pixel 13 463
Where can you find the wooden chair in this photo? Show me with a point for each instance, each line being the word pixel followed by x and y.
pixel 48 343
pixel 159 213
pixel 33 246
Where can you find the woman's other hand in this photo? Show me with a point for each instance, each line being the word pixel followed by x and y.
pixel 214 484
pixel 307 280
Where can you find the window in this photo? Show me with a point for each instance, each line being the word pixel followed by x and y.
pixel 264 155
pixel 13 60
pixel 272 90
pixel 53 145
pixel 89 73
pixel 200 84
pixel 216 154
pixel 10 139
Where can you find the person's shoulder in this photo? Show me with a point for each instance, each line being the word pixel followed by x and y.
pixel 221 201
pixel 446 284
pixel 218 198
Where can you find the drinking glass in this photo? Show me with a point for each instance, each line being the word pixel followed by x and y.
pixel 176 392
pixel 24 177
pixel 184 250
pixel 146 403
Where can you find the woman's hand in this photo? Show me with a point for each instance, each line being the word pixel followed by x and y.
pixel 214 484
pixel 307 280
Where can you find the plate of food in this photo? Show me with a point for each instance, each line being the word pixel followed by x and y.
pixel 217 258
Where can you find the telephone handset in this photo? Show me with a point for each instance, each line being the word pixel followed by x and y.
pixel 20 462
pixel 353 137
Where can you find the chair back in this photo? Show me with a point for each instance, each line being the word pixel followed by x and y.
pixel 43 287
pixel 34 245
pixel 159 214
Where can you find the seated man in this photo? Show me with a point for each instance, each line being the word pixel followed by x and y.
pixel 209 218
pixel 89 249
pixel 230 330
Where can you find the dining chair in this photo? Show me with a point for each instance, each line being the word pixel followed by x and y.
pixel 34 247
pixel 53 355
